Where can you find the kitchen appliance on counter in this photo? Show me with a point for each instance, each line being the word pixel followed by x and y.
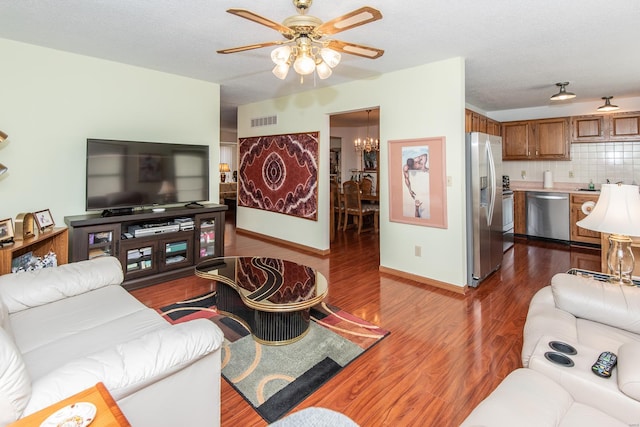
pixel 548 215
pixel 484 205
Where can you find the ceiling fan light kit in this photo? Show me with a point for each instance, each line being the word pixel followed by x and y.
pixel 309 51
pixel 608 106
pixel 562 95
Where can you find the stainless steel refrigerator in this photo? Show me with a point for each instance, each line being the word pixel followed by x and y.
pixel 484 205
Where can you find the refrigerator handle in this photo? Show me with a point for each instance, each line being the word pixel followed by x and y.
pixel 492 182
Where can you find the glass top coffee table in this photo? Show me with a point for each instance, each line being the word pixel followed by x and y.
pixel 272 297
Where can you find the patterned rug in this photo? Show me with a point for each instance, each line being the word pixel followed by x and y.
pixel 275 379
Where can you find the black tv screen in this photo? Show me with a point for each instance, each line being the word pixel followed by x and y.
pixel 128 174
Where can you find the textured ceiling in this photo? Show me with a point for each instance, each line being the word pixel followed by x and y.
pixel 515 50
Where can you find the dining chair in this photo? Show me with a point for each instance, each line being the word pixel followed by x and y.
pixel 366 186
pixel 337 208
pixel 354 207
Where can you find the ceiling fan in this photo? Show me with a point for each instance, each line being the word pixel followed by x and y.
pixel 306 46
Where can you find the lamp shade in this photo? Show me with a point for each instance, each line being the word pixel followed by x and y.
pixel 224 167
pixel 617 211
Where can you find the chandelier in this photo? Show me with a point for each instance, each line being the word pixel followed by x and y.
pixel 368 144
pixel 307 56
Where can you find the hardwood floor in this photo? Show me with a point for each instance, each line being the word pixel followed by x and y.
pixel 446 351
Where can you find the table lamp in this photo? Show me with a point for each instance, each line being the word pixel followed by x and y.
pixel 617 213
pixel 224 168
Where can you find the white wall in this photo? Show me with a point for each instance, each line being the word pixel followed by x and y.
pixel 53 101
pixel 419 102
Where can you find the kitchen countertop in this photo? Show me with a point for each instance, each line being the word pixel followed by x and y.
pixel 558 187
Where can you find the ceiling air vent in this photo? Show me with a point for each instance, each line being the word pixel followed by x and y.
pixel 264 121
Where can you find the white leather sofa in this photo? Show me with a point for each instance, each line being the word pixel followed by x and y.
pixel 591 316
pixel 66 328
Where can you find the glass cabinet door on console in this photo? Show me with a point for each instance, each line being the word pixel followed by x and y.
pixel 177 252
pixel 96 241
pixel 209 238
pixel 138 258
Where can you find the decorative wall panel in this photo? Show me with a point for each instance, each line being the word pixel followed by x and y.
pixel 279 173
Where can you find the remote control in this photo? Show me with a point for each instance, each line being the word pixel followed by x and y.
pixel 605 363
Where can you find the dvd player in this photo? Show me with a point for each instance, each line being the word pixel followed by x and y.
pixel 151 229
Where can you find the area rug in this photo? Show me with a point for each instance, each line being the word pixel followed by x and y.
pixel 275 379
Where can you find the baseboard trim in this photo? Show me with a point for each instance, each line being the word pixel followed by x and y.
pixel 282 242
pixel 431 282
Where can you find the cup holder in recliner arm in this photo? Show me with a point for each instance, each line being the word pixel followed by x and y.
pixel 559 359
pixel 563 347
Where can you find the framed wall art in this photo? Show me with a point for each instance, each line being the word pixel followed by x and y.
pixel 6 231
pixel 279 173
pixel 44 220
pixel 417 182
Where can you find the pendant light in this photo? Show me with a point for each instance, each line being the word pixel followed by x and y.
pixel 562 94
pixel 607 105
pixel 368 144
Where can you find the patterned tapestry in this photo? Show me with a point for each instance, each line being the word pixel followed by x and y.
pixel 279 173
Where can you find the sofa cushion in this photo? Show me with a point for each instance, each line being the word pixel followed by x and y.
pixel 15 384
pixel 613 305
pixel 5 320
pixel 34 288
pixel 528 398
pixel 629 369
pixel 52 322
pixel 51 356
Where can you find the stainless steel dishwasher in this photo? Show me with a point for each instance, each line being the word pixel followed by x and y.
pixel 548 215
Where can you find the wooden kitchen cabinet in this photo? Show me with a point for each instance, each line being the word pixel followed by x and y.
pixel 579 234
pixel 519 213
pixel 545 139
pixel 606 127
pixel 516 140
pixel 624 126
pixel 475 122
pixel 592 128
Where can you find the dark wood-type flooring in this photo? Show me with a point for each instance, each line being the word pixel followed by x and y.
pixel 446 351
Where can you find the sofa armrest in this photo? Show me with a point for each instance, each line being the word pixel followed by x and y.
pixel 21 291
pixel 602 302
pixel 544 318
pixel 130 366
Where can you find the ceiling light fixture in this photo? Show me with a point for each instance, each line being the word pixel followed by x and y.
pixel 562 94
pixel 307 56
pixel 607 105
pixel 368 144
pixel 3 168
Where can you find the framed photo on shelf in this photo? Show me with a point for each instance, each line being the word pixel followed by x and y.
pixel 44 220
pixel 6 230
pixel 417 182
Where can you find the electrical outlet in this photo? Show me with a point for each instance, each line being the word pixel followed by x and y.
pixel 418 251
pixel 570 174
pixel 523 174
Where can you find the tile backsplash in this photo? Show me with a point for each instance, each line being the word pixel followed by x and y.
pixel 619 161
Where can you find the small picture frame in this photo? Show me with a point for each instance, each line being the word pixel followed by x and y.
pixel 44 220
pixel 6 231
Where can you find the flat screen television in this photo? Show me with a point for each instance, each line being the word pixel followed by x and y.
pixel 122 175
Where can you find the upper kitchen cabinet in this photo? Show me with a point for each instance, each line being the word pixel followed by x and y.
pixel 624 126
pixel 588 128
pixel 545 139
pixel 475 122
pixel 606 127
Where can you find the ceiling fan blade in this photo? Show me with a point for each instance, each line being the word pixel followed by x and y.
pixel 249 47
pixel 355 49
pixel 358 17
pixel 251 16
